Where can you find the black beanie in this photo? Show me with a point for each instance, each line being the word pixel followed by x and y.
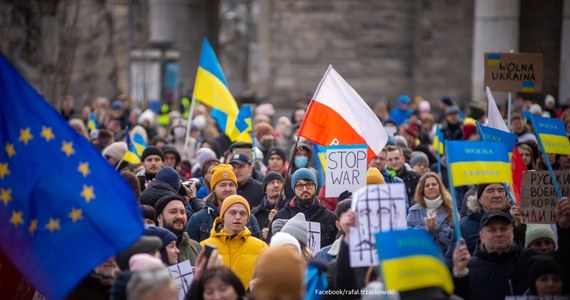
pixel 162 202
pixel 166 236
pixel 271 176
pixel 480 189
pixel 540 265
pixel 277 151
pixel 151 150
pixel 170 149
pixel 146 244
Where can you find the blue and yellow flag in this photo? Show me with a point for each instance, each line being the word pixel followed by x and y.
pixel 243 120
pixel 409 260
pixel 211 88
pixel 321 159
pixel 438 140
pixel 63 208
pixel 472 162
pixel 131 156
pixel 92 122
pixel 490 134
pixel 139 143
pixel 552 134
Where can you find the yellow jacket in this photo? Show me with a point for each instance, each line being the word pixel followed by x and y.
pixel 238 253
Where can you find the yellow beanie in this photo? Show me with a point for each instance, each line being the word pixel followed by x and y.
pixel 231 200
pixel 373 176
pixel 222 172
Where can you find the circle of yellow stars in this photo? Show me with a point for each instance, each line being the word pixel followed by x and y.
pixel 17 216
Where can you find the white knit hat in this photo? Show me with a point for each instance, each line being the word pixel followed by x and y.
pixel 281 239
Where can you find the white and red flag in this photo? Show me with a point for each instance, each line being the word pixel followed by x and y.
pixel 337 115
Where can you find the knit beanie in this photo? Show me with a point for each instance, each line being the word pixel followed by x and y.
pixel 282 238
pixel 269 177
pixel 280 273
pixel 262 129
pixel 540 265
pixel 173 150
pixel 145 244
pixel 277 151
pixel 480 189
pixel 170 176
pixel 373 176
pixel 165 235
pixel 151 150
pixel 231 200
pixel 145 262
pixel 418 157
pixel 162 202
pixel 116 150
pixel 277 225
pixel 297 227
pixel 204 154
pixel 222 172
pixel 305 174
pixel 537 231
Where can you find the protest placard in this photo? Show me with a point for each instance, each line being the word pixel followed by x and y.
pixel 346 168
pixel 378 208
pixel 183 274
pixel 538 197
pixel 314 236
pixel 514 72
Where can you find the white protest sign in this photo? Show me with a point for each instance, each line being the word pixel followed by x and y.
pixel 538 196
pixel 346 168
pixel 314 236
pixel 183 274
pixel 380 207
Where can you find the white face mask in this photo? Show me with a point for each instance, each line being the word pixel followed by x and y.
pixel 199 121
pixel 391 130
pixel 179 131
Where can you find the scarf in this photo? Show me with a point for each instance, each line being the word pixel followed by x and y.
pixel 433 205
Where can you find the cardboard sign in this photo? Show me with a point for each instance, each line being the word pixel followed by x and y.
pixel 538 197
pixel 514 72
pixel 314 236
pixel 346 168
pixel 379 207
pixel 183 274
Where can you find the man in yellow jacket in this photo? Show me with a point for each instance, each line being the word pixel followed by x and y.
pixel 239 250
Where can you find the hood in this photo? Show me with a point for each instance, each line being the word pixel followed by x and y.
pixel 218 231
pixel 307 147
pixel 473 204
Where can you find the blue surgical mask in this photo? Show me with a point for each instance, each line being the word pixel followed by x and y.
pixel 301 161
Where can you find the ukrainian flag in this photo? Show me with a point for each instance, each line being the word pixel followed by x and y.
pixel 551 133
pixel 131 155
pixel 409 260
pixel 321 158
pixel 243 121
pixel 490 134
pixel 478 162
pixel 438 140
pixel 92 122
pixel 211 88
pixel 528 86
pixel 493 59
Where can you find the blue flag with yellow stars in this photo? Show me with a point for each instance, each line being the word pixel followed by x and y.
pixel 63 208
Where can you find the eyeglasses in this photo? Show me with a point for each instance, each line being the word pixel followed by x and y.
pixel 302 186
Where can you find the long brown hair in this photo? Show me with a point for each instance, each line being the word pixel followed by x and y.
pixel 447 205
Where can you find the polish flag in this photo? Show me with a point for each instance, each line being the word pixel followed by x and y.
pixel 337 115
pixel 494 115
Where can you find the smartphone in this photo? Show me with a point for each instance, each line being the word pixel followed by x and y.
pixel 209 250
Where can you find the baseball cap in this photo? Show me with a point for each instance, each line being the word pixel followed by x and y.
pixel 241 159
pixel 495 214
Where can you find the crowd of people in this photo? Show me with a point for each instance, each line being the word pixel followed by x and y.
pixel 251 202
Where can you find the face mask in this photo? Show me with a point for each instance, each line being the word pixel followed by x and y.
pixel 179 131
pixel 390 130
pixel 199 121
pixel 267 144
pixel 301 161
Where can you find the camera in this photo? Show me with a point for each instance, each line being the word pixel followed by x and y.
pixel 188 183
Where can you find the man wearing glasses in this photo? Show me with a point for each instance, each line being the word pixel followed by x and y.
pixel 304 183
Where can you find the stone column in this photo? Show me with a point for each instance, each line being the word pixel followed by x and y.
pixel 564 81
pixel 496 29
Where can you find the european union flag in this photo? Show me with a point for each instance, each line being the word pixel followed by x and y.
pixel 63 208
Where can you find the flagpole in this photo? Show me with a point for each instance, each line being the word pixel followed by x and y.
pixel 437 150
pixel 289 168
pixel 188 127
pixel 509 112
pixel 454 200
pixel 505 187
pixel 546 160
pixel 252 135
